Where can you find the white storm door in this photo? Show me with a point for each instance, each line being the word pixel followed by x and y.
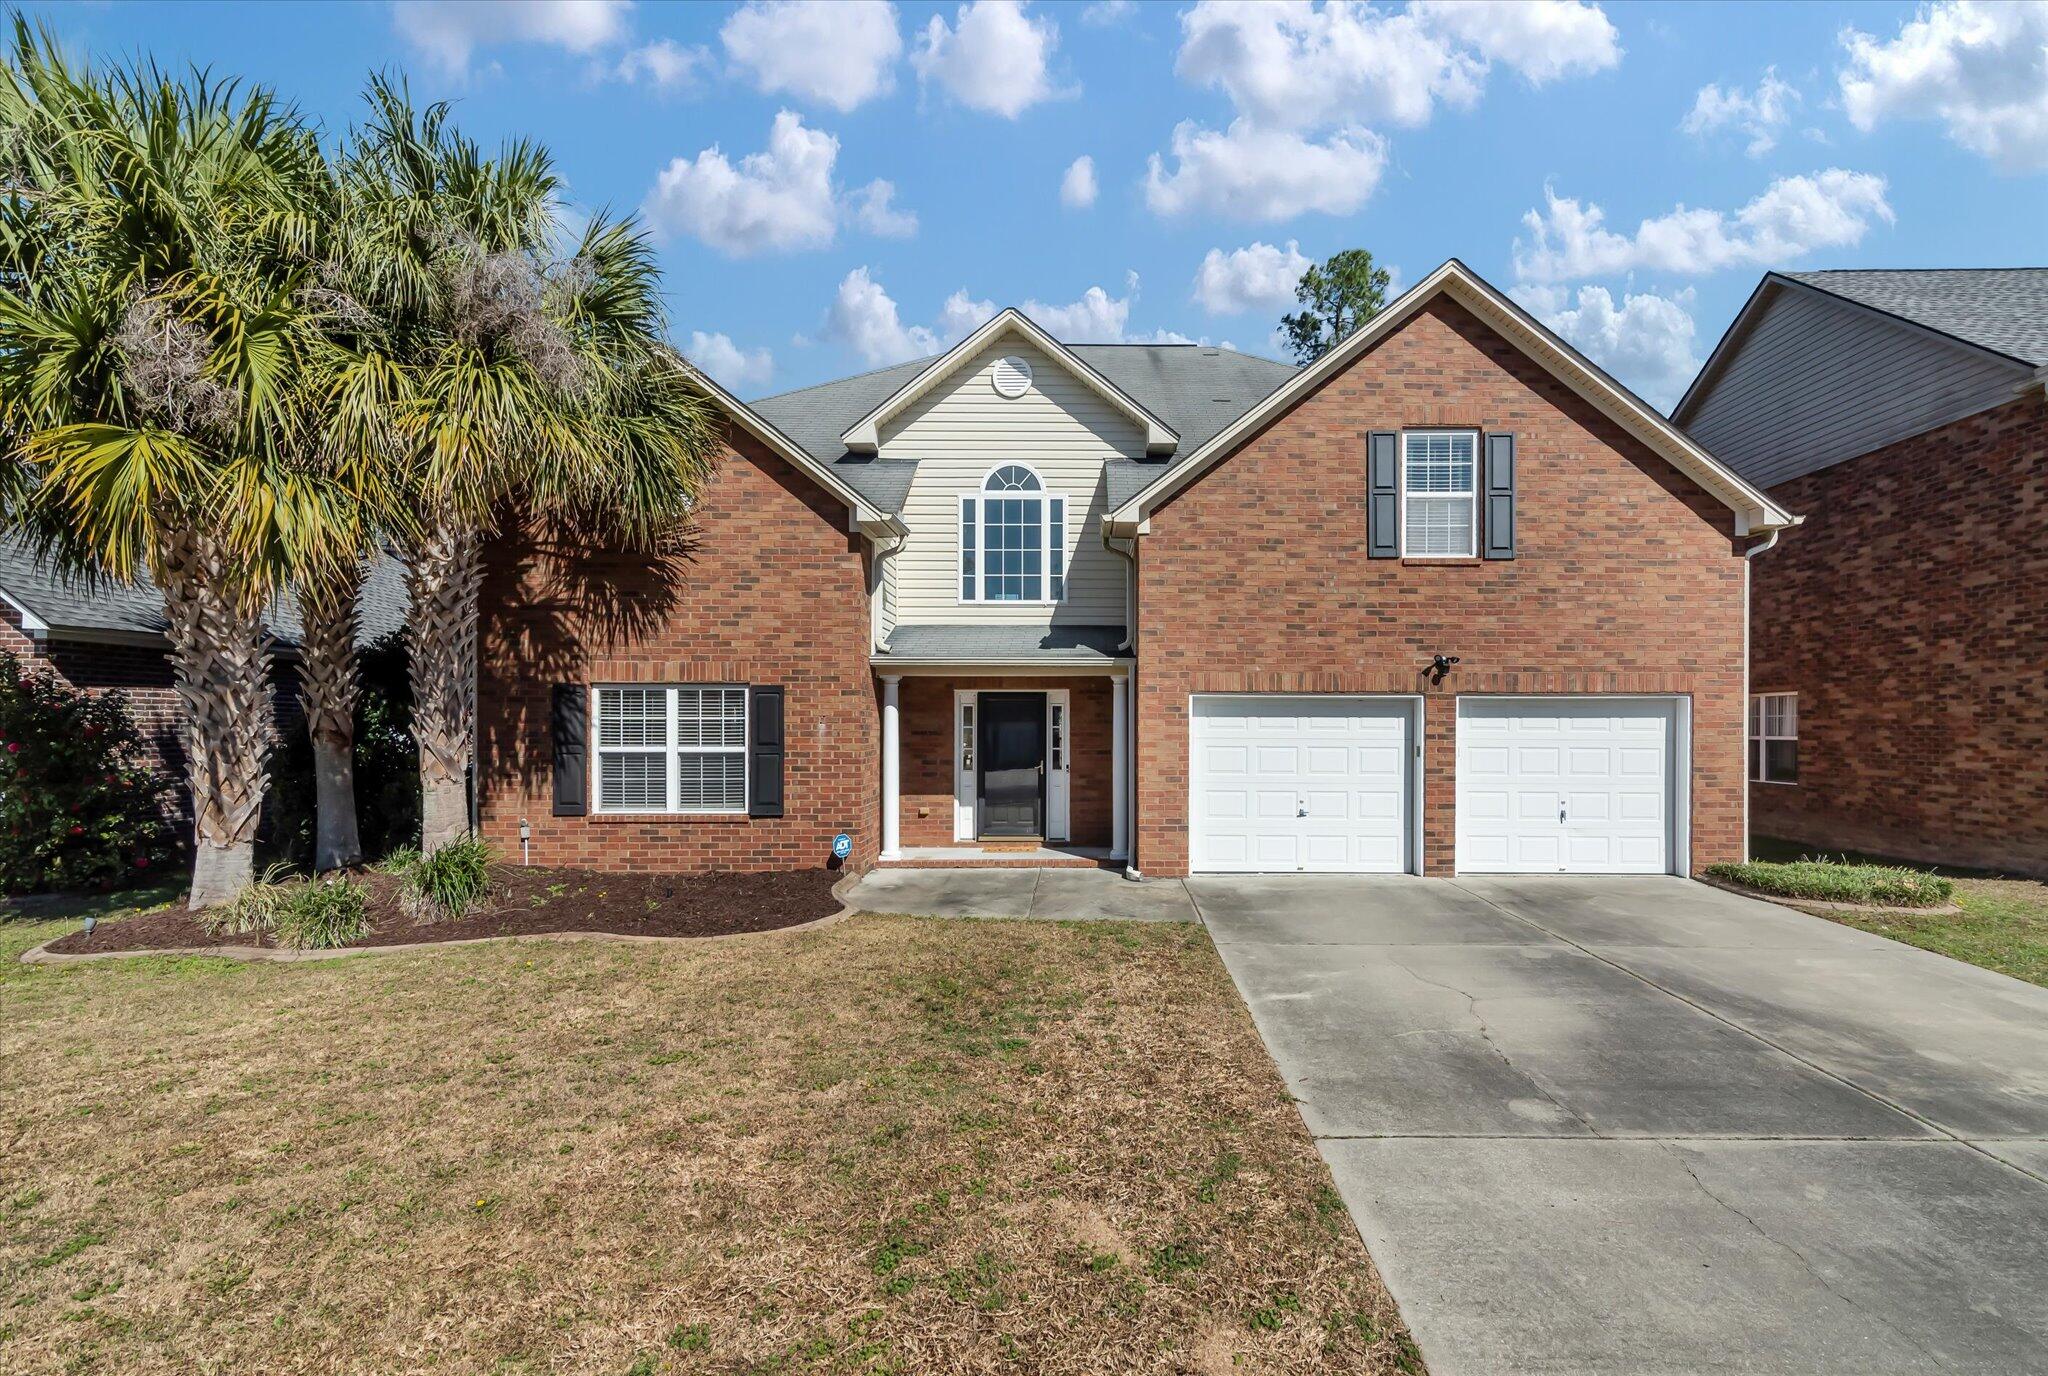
pixel 1569 785
pixel 1310 784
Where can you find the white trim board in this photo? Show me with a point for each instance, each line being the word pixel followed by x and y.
pixel 1754 511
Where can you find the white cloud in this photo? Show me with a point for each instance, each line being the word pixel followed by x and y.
pixel 841 55
pixel 1103 13
pixel 1760 113
pixel 773 201
pixel 874 210
pixel 863 316
pixel 1542 41
pixel 1250 173
pixel 1646 341
pixel 776 201
pixel 665 63
pixel 1301 67
pixel 1077 187
pixel 996 60
pixel 737 368
pixel 1981 69
pixel 1257 277
pixel 1793 217
pixel 449 31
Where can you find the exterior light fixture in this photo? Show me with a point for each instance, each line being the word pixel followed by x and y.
pixel 1439 666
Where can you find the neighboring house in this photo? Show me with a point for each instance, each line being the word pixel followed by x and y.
pixel 1165 606
pixel 1899 638
pixel 109 637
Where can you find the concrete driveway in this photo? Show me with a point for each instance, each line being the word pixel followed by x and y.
pixel 1637 1126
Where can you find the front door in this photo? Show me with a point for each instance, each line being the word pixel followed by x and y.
pixel 1012 751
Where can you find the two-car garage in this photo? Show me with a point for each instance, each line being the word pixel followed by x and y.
pixel 1335 783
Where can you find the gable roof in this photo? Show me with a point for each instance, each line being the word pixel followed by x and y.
pixel 1754 512
pixel 865 512
pixel 864 435
pixel 2001 311
pixel 1194 388
pixel 54 603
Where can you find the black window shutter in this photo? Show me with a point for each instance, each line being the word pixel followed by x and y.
pixel 1500 496
pixel 1383 495
pixel 569 717
pixel 764 751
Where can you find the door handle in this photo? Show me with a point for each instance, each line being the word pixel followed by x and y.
pixel 1560 814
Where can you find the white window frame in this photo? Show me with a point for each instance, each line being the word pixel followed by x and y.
pixel 1758 738
pixel 1053 573
pixel 672 752
pixel 1471 494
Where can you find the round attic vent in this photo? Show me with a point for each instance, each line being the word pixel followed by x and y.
pixel 1012 376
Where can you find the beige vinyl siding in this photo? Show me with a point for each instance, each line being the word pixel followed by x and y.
pixel 960 430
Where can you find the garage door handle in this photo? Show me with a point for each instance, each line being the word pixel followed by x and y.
pixel 1560 814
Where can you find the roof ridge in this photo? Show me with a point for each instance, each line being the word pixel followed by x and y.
pixel 1822 272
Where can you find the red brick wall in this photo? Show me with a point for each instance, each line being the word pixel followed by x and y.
pixel 1910 614
pixel 774 591
pixel 139 674
pixel 926 724
pixel 1255 579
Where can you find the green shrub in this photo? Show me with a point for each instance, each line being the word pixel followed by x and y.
pixel 1827 881
pixel 447 884
pixel 321 914
pixel 254 910
pixel 78 808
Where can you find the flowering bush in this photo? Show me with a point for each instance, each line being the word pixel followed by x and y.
pixel 77 809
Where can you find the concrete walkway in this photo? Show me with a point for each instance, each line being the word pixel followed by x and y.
pixel 1640 1126
pixel 1055 895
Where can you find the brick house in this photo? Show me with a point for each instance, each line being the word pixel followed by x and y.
pixel 1900 637
pixel 109 638
pixel 1450 599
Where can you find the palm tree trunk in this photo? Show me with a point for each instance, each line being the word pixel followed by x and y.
pixel 328 688
pixel 215 626
pixel 443 573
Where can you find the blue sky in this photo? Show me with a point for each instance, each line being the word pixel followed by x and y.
pixel 838 187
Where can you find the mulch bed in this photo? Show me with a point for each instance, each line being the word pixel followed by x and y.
pixel 530 901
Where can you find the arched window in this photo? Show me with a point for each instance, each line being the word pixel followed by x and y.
pixel 1013 539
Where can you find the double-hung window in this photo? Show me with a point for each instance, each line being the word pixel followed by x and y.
pixel 1013 540
pixel 1439 499
pixel 672 749
pixel 1774 738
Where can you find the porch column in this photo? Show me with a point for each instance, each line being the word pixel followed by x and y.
pixel 892 783
pixel 1119 767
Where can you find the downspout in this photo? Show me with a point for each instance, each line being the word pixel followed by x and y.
pixel 1127 550
pixel 1770 541
pixel 881 583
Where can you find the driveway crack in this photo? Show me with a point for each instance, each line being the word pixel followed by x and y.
pixel 1486 1035
pixel 1805 1262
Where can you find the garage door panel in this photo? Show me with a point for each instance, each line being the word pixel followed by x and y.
pixel 1326 779
pixel 1573 785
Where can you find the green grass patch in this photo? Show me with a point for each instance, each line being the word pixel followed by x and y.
pixel 1826 881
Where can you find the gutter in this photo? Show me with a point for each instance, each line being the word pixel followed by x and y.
pixel 1128 552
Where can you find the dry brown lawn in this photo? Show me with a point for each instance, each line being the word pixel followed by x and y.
pixel 890 1145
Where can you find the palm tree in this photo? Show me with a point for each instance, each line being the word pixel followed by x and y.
pixel 530 387
pixel 155 360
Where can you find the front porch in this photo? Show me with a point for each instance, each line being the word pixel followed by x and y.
pixel 975 856
pixel 1024 769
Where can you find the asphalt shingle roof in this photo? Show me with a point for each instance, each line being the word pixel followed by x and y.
pixel 2002 309
pixel 75 604
pixel 1063 644
pixel 1193 388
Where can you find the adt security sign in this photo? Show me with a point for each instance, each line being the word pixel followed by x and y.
pixel 842 846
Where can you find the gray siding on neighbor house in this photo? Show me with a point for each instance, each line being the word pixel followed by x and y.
pixel 1819 380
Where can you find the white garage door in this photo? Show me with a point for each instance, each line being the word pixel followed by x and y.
pixel 1572 785
pixel 1284 784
